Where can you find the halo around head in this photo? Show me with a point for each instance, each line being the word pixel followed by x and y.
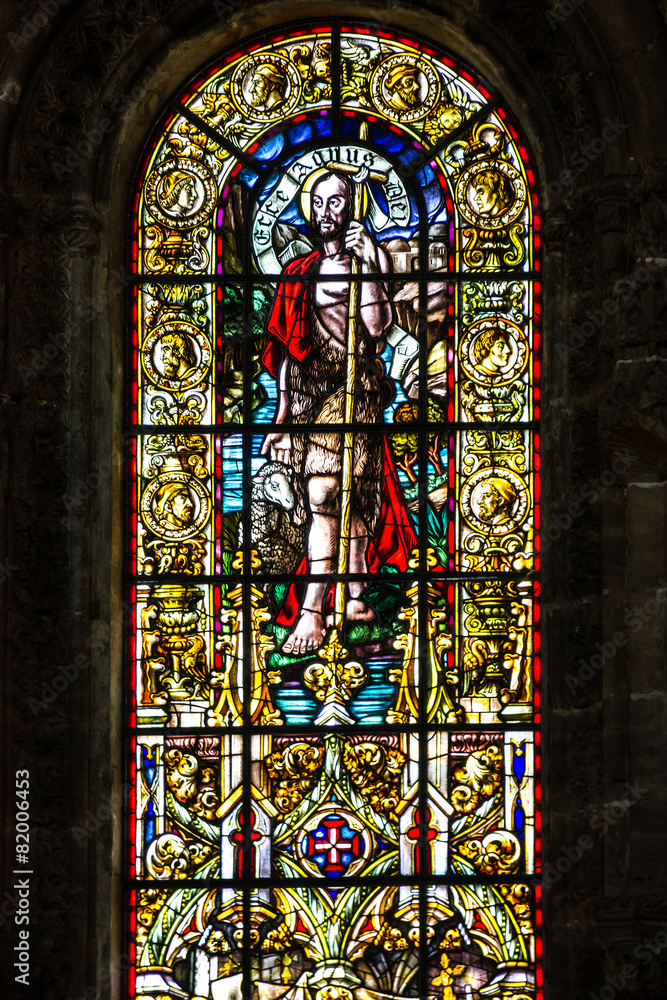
pixel 307 190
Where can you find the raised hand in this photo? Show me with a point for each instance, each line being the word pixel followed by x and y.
pixel 359 242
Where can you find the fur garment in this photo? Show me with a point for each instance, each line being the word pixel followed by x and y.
pixel 316 390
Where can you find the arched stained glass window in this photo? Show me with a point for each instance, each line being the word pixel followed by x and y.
pixel 333 505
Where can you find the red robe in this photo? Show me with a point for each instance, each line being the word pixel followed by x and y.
pixel 289 327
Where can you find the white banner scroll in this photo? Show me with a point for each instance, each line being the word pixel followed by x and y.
pixel 268 212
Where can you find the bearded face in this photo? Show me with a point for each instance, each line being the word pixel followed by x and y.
pixel 489 502
pixel 330 208
pixel 407 90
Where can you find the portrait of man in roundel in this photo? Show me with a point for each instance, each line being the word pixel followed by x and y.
pixel 492 193
pixel 495 501
pixel 174 507
pixel 179 193
pixel 492 351
pixel 267 86
pixel 403 87
pixel 178 357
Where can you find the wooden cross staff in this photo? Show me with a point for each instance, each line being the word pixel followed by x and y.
pixel 359 176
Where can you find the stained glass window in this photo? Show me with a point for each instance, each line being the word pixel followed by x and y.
pixel 333 504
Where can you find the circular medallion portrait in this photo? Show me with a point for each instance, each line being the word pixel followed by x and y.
pixel 493 351
pixel 405 87
pixel 494 501
pixel 180 193
pixel 175 506
pixel 490 194
pixel 266 87
pixel 176 356
pixel 333 842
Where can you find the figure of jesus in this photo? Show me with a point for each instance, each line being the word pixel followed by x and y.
pixel 307 356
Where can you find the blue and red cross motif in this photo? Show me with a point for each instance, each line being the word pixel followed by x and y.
pixel 333 845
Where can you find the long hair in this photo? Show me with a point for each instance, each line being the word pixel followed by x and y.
pixel 183 344
pixel 349 188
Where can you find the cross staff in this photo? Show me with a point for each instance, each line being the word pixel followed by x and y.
pixel 360 175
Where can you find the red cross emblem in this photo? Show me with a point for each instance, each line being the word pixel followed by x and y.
pixel 414 834
pixel 244 840
pixel 333 845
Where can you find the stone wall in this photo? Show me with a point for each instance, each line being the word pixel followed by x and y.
pixel 81 83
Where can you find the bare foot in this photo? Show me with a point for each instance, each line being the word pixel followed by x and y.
pixel 359 611
pixel 355 611
pixel 307 635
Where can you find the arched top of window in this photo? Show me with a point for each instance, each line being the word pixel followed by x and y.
pixel 333 511
pixel 457 162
